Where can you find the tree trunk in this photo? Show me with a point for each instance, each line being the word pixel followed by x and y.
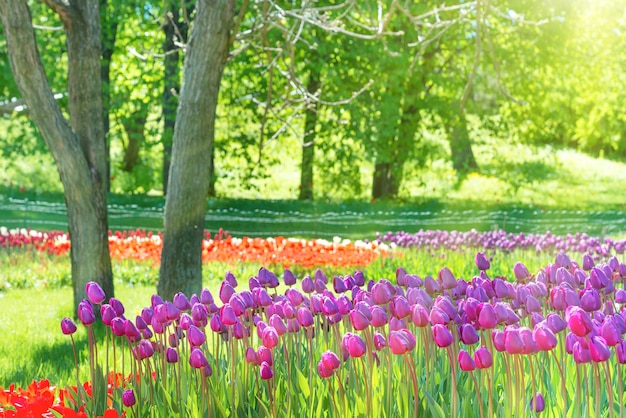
pixel 171 87
pixel 461 152
pixel 188 184
pixel 308 144
pixel 78 149
pixel 135 130
pixel 109 33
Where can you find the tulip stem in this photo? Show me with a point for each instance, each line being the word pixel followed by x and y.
pixel 411 367
pixel 368 395
pixel 490 391
pixel 607 376
pixel 453 385
pixel 389 391
pixel 620 384
pixel 563 388
pixel 596 381
pixel 480 399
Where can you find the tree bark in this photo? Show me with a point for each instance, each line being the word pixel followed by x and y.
pixel 109 33
pixel 462 156
pixel 134 125
pixel 77 147
pixel 171 87
pixel 188 184
pixel 308 144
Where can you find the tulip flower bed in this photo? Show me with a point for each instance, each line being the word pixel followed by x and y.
pixel 352 345
pixel 142 246
pixel 435 240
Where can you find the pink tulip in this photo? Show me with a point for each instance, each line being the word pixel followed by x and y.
pixel 483 358
pixel 442 336
pixel 466 362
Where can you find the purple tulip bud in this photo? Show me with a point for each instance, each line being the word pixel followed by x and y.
pixel 117 326
pixel 513 343
pixel 610 332
pixel 338 285
pixel 483 358
pixel 466 362
pixel 197 358
pixel 181 302
pixel 481 261
pixel 359 278
pixel 231 279
pixel 270 337
pixel 578 321
pixel 468 334
pixel 128 398
pixel 206 297
pixel 147 314
pixel 330 360
pixel 266 371
pixel 590 300
pixel 620 296
pixel 68 327
pixel 581 354
pixel 196 336
pixel 323 371
pixel 588 263
pixel 227 315
pixel 95 293
pixel 131 331
pixel 447 279
pixel 555 322
pixel 401 341
pixel 358 320
pixel 442 336
pixel 544 337
pixel 305 318
pixel 216 324
pixel 85 313
pixel 381 293
pixel 620 349
pixel 144 349
pixel 431 286
pixel 419 316
pixel 354 345
pixel 598 349
pixel 379 341
pixel 107 314
pixel 497 336
pixel 307 284
pixel 400 307
pixel 171 355
pixel 537 403
pixel 487 317
pixel 379 316
pixel 521 272
pixel 264 355
pixel 289 278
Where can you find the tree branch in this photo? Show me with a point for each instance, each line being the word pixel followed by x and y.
pixel 64 9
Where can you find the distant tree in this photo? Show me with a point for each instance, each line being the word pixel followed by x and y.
pixel 77 145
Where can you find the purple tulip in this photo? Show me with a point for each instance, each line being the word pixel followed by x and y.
pixel 95 293
pixel 381 293
pixel 144 349
pixel 270 337
pixel 598 349
pixel 206 297
pixel 231 279
pixel 181 302
pixel 400 307
pixel 196 336
pixel 85 313
pixel 227 315
pixel 354 345
pixel 497 336
pixel 555 322
pixel 68 327
pixel 289 278
pixel 330 360
pixel 128 398
pixel 447 279
pixel 620 349
pixel 266 371
pixel 581 354
pixel 590 300
pixel 483 358
pixel 323 371
pixel 481 261
pixel 442 336
pixel 487 317
pixel 117 326
pixel 610 332
pixel 307 284
pixel 468 334
pixel 294 296
pixel 156 300
pixel 401 341
pixel 431 286
pixel 197 359
pixel 379 341
pixel 521 272
pixel 588 263
pixel 466 362
pixel 305 318
pixel 171 355
pixel 419 316
pixel 358 320
pixel 513 343
pixel 338 285
pixel 117 306
pixel 544 337
pixel 264 354
pixel 131 331
pixel 578 321
pixel 537 403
